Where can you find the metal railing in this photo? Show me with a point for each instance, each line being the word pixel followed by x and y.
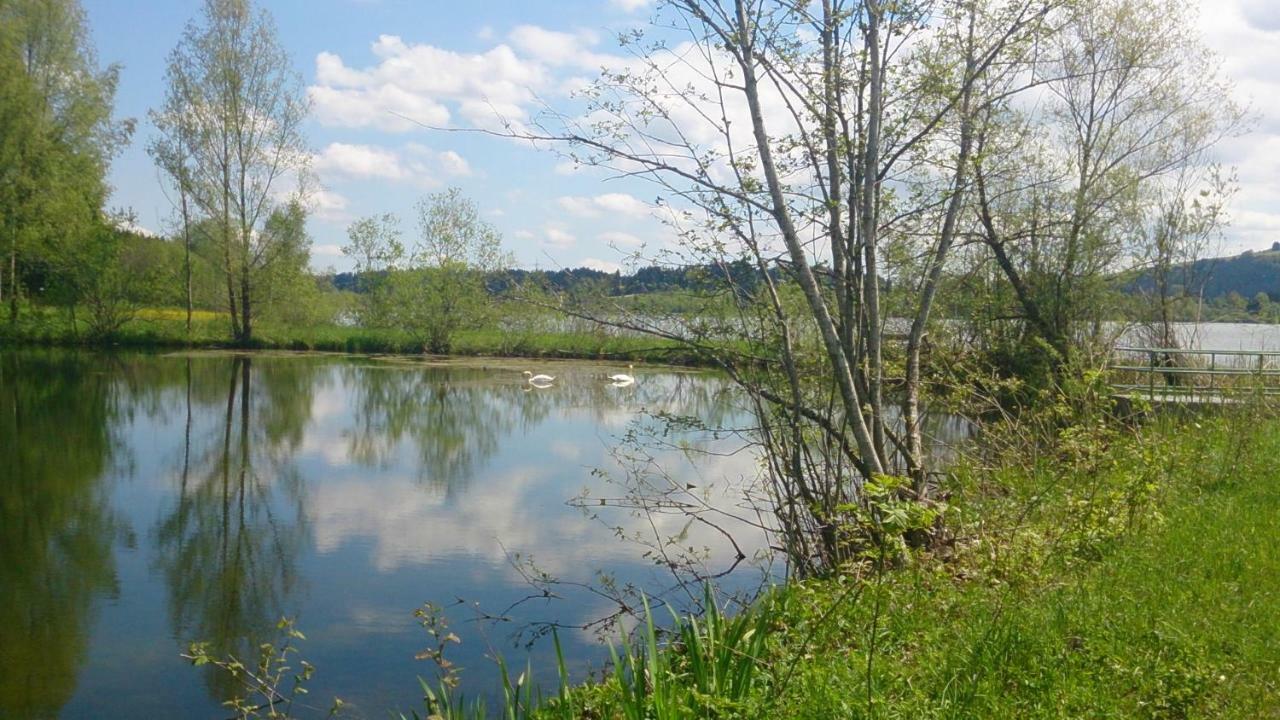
pixel 1191 376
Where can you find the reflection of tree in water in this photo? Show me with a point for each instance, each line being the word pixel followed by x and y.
pixel 57 412
pixel 454 418
pixel 457 418
pixel 228 546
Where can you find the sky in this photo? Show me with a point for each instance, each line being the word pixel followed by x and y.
pixel 464 64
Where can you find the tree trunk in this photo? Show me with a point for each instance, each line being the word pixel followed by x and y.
pixel 804 273
pixel 186 262
pixel 13 279
pixel 916 468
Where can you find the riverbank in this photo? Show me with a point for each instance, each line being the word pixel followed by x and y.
pixel 167 330
pixel 1115 572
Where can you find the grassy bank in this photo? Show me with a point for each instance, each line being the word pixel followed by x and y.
pixel 167 329
pixel 1115 573
pixel 1111 571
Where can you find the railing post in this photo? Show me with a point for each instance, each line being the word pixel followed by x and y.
pixel 1151 376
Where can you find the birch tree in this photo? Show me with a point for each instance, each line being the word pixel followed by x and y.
pixel 235 98
pixel 804 140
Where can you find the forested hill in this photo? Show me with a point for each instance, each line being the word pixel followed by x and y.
pixel 1246 275
pixel 644 280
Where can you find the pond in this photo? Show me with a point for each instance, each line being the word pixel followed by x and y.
pixel 147 501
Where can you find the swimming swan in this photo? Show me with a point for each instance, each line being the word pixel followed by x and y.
pixel 622 378
pixel 538 379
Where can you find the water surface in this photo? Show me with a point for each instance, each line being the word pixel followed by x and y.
pixel 150 500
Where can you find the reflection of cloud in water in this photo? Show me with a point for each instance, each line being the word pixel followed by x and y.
pixel 408 523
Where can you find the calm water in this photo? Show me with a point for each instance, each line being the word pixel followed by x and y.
pixel 147 501
pixel 1214 336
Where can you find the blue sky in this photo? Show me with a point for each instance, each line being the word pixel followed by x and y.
pixel 454 63
pixel 375 163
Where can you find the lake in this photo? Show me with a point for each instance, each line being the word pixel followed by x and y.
pixel 147 501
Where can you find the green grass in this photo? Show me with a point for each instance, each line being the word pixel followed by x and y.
pixel 165 328
pixel 1141 582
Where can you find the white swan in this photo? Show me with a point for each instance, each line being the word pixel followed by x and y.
pixel 538 379
pixel 622 378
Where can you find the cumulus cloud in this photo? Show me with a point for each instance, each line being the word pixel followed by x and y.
pixel 1261 14
pixel 329 249
pixel 420 82
pixel 617 239
pixel 359 161
pixel 608 204
pixel 601 265
pixel 629 5
pixel 555 236
pixel 329 206
pixel 414 163
pixel 557 48
pixel 1246 36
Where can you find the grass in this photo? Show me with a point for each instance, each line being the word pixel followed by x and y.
pixel 166 328
pixel 1137 578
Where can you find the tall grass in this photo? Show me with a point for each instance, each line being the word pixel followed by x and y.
pixel 706 666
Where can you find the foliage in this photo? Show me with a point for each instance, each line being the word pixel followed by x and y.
pixel 231 140
pixel 57 138
pixel 436 286
pixel 270 684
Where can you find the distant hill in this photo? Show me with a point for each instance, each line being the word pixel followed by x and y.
pixel 1246 274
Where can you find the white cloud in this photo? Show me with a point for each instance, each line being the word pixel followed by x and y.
pixel 1246 36
pixel 523 235
pixel 359 161
pixel 629 5
pixel 387 107
pixel 557 237
pixel 418 80
pixel 601 265
pixel 414 163
pixel 453 163
pixel 331 249
pixel 329 206
pixel 414 84
pixel 608 204
pixel 557 48
pixel 130 225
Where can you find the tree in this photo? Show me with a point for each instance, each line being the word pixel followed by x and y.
pixel 435 286
pixel 455 249
pixel 814 143
pixel 172 152
pixel 57 135
pixel 1131 98
pixel 232 124
pixel 1177 221
pixel 374 245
